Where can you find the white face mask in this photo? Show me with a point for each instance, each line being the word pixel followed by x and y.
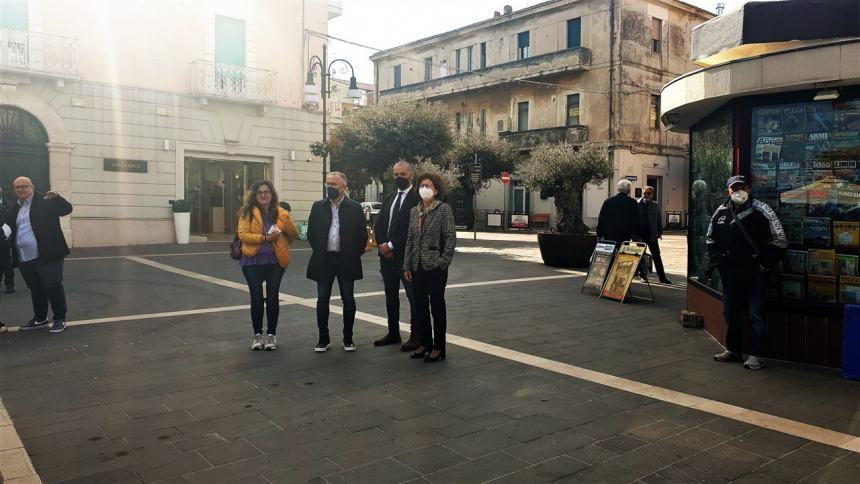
pixel 740 197
pixel 426 193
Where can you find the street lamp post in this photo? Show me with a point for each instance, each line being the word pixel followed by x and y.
pixel 325 89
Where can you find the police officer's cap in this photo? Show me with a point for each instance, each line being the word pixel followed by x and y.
pixel 735 180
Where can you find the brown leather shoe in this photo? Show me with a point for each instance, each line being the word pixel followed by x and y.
pixel 388 339
pixel 410 345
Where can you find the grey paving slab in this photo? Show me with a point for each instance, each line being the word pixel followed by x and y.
pixel 182 399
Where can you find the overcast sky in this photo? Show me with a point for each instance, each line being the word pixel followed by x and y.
pixel 383 24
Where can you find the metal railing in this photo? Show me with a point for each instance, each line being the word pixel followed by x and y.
pixel 211 79
pixel 38 53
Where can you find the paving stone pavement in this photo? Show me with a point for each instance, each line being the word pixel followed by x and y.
pixel 182 399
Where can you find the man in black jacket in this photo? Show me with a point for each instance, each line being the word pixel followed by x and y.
pixel 745 240
pixel 5 231
pixel 41 247
pixel 618 216
pixel 391 229
pixel 651 230
pixel 338 236
pixel 8 260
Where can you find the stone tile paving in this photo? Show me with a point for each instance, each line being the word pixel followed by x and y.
pixel 181 399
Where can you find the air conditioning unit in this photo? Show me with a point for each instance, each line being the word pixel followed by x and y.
pixel 503 125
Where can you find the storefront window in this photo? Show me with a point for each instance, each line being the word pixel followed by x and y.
pixel 710 167
pixel 804 159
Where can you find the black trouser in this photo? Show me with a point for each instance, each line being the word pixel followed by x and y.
pixel 745 292
pixel 347 289
pixel 392 276
pixel 45 281
pixel 7 272
pixel 654 250
pixel 255 275
pixel 429 287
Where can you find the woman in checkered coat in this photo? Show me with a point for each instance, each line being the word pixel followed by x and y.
pixel 429 250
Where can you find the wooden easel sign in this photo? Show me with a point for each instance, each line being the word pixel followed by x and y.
pixel 599 267
pixel 623 269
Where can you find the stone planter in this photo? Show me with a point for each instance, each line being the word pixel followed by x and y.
pixel 566 250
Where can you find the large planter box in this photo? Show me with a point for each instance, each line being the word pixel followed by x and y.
pixel 566 250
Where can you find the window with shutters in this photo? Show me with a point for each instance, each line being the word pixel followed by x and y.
pixel 397 76
pixel 574 33
pixel 428 68
pixel 483 63
pixel 523 116
pixel 654 112
pixel 523 45
pixel 656 35
pixel 573 110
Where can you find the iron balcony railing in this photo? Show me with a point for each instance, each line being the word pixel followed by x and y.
pixel 211 79
pixel 528 140
pixel 38 53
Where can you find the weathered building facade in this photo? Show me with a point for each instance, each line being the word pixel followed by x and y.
pixel 560 71
pixel 122 109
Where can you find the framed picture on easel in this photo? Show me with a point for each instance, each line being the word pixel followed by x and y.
pixel 623 269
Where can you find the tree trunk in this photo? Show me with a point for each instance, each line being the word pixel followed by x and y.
pixel 568 202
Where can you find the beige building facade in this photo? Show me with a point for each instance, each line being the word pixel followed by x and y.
pixel 561 71
pixel 123 109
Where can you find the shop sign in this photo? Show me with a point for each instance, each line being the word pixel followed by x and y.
pixel 519 221
pixel 128 166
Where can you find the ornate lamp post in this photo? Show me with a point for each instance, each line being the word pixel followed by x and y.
pixel 310 91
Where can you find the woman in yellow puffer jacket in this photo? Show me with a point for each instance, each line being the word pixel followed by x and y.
pixel 266 231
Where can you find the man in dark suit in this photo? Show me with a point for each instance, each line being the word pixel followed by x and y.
pixel 651 229
pixel 391 229
pixel 338 236
pixel 41 247
pixel 619 216
pixel 5 231
pixel 8 260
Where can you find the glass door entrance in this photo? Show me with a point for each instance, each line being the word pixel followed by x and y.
pixel 215 189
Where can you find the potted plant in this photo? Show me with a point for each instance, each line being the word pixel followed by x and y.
pixel 182 220
pixel 562 171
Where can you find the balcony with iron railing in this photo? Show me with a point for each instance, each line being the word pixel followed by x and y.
pixel 550 64
pixel 236 83
pixel 530 139
pixel 36 53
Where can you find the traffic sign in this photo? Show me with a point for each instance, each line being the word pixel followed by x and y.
pixel 475 174
pixel 506 177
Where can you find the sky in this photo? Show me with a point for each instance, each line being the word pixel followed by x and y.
pixel 383 24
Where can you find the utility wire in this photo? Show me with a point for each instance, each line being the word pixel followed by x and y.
pixel 482 74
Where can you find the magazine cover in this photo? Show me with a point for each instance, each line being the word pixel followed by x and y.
pixel 816 232
pixel 848 199
pixel 847 265
pixel 794 119
pixel 821 262
pixel 821 202
pixel 849 290
pixel 822 288
pixel 793 227
pixel 769 120
pixel 792 203
pixel 791 286
pixel 819 117
pixel 846 234
pixel 795 261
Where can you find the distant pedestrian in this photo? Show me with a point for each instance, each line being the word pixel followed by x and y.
pixel 391 230
pixel 41 248
pixel 619 215
pixel 430 248
pixel 745 240
pixel 8 258
pixel 5 233
pixel 266 232
pixel 338 236
pixel 650 230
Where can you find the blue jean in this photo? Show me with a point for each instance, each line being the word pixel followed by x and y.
pixel 255 275
pixel 745 293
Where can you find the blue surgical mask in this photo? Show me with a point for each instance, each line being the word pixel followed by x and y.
pixel 332 193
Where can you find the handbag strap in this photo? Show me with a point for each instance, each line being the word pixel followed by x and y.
pixel 740 226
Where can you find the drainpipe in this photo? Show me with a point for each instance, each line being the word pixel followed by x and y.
pixel 612 34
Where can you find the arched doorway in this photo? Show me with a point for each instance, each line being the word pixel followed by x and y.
pixel 23 150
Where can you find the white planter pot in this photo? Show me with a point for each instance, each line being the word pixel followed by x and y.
pixel 182 225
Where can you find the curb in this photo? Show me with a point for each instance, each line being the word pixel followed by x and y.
pixel 15 465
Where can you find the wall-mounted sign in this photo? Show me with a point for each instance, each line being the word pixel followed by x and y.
pixel 129 166
pixel 632 178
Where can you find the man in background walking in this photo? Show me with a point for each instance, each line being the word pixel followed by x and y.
pixel 651 230
pixel 619 216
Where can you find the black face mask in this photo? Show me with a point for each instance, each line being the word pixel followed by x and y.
pixel 332 193
pixel 401 183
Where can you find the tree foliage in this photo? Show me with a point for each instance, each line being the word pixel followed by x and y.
pixel 451 175
pixel 562 171
pixel 494 154
pixel 370 140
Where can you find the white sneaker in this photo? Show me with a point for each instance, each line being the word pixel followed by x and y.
pixel 753 363
pixel 257 344
pixel 271 342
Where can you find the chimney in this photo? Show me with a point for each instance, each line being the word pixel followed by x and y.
pixel 508 9
pixel 496 14
pixel 720 7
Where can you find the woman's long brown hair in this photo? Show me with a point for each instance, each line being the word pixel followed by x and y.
pixel 250 201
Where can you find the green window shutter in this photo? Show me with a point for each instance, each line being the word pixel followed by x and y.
pixel 229 41
pixel 13 15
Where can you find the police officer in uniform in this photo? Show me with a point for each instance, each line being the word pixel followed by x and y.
pixel 745 240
